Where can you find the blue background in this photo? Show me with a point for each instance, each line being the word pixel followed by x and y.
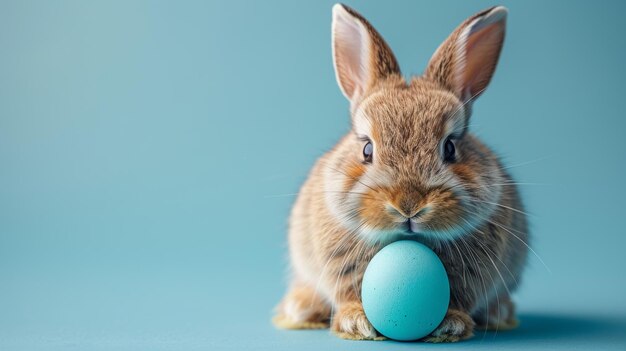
pixel 149 153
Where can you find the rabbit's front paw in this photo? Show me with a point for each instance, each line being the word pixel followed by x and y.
pixel 457 326
pixel 349 322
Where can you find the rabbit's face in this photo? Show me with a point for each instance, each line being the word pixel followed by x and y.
pixel 410 166
pixel 413 169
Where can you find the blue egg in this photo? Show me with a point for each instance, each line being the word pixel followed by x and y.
pixel 405 291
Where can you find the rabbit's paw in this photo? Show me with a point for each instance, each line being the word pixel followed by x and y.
pixel 349 322
pixel 456 326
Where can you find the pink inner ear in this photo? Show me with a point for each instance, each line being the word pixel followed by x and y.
pixel 482 50
pixel 348 61
pixel 350 48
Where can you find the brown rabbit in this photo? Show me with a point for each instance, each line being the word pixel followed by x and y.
pixel 408 169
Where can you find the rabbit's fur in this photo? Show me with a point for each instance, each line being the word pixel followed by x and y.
pixel 467 209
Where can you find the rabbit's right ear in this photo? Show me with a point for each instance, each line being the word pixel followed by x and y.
pixel 465 62
pixel 360 55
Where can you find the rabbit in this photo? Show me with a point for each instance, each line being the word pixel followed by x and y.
pixel 408 169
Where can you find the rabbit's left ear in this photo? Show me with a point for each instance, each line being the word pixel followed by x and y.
pixel 465 62
pixel 361 56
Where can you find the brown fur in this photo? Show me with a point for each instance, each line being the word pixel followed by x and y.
pixel 468 211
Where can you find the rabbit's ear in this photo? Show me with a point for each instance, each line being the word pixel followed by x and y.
pixel 466 60
pixel 360 55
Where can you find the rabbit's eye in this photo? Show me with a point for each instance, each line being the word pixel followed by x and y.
pixel 368 152
pixel 449 151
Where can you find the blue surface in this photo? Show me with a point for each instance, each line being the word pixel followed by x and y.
pixel 405 291
pixel 149 152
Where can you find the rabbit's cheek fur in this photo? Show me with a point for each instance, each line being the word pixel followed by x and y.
pixel 445 219
pixel 483 182
pixel 375 214
pixel 354 171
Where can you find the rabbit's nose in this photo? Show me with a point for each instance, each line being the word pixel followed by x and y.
pixel 408 212
pixel 408 209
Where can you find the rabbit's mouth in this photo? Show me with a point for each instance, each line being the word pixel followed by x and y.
pixel 413 227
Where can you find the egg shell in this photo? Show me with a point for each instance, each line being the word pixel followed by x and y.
pixel 405 291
